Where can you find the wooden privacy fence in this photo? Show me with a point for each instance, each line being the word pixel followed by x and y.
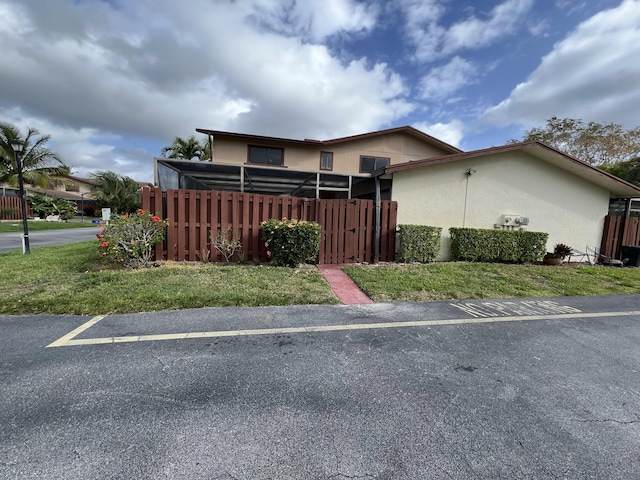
pixel 11 209
pixel 348 226
pixel 619 231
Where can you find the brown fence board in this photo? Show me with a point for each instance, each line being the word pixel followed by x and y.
pixel 619 231
pixel 347 225
pixel 11 208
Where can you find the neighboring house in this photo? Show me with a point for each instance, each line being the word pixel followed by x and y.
pixel 337 168
pixel 518 186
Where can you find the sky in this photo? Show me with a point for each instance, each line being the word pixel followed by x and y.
pixel 114 81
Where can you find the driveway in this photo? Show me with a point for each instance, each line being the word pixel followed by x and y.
pixel 42 238
pixel 526 388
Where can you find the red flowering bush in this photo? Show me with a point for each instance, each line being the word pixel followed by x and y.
pixel 291 242
pixel 129 239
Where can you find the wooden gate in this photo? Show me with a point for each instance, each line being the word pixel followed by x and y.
pixel 348 226
pixel 618 231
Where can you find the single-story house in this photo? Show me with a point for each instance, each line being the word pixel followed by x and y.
pixel 517 186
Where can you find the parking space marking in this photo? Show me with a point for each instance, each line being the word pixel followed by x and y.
pixel 74 333
pixel 68 340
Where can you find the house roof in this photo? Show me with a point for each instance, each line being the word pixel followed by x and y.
pixel 617 187
pixel 335 141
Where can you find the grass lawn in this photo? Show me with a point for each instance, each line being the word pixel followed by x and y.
pixel 16 225
pixel 462 280
pixel 74 279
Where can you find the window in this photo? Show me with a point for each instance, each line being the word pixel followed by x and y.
pixel 266 155
pixel 326 160
pixel 370 164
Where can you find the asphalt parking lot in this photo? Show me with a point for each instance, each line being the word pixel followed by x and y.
pixel 526 388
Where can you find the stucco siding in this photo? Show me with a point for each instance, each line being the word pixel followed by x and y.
pixel 398 147
pixel 568 208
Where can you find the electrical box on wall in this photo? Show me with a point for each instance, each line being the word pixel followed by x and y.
pixel 511 221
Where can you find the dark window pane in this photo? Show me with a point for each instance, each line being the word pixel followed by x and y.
pixel 266 155
pixel 367 164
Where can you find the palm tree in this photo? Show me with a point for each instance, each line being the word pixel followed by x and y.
pixel 40 166
pixel 186 149
pixel 122 194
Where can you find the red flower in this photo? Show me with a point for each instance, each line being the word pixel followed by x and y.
pixel 104 244
pixel 155 218
pixel 98 236
pixel 140 212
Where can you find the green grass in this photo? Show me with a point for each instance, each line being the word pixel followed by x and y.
pixel 73 279
pixel 16 225
pixel 461 280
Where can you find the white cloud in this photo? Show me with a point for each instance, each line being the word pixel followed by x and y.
pixel 592 74
pixel 442 81
pixel 153 69
pixel 432 40
pixel 450 133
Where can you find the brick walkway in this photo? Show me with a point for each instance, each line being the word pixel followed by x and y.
pixel 344 288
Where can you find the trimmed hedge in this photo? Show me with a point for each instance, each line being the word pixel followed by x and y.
pixel 502 246
pixel 418 243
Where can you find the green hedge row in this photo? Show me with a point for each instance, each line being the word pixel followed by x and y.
pixel 418 243
pixel 506 246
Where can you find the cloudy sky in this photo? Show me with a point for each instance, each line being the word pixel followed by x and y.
pixel 113 81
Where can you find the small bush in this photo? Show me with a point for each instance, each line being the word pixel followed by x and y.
pixel 129 239
pixel 43 206
pixel 291 242
pixel 6 212
pixel 418 243
pixel 224 243
pixel 505 246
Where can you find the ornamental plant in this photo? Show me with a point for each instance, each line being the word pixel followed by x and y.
pixel 129 239
pixel 291 242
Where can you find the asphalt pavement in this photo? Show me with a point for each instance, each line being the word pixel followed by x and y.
pixel 523 388
pixel 43 238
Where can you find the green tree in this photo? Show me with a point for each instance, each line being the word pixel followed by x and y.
pixel 122 194
pixel 629 170
pixel 40 166
pixel 594 143
pixel 186 149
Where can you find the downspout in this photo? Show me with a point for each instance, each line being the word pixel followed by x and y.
pixel 378 220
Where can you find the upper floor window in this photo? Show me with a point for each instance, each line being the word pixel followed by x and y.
pixel 370 164
pixel 326 160
pixel 266 155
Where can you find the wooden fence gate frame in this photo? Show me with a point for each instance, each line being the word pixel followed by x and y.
pixel 618 231
pixel 348 225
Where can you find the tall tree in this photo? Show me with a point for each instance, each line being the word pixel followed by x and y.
pixel 629 170
pixel 40 166
pixel 594 143
pixel 186 149
pixel 122 194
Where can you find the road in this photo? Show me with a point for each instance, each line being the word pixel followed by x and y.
pixel 526 388
pixel 43 238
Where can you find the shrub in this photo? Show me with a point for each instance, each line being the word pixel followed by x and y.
pixel 506 246
pixel 129 239
pixel 6 212
pixel 224 243
pixel 291 242
pixel 43 206
pixel 418 243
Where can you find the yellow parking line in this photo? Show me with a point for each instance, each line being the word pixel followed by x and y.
pixel 63 340
pixel 68 340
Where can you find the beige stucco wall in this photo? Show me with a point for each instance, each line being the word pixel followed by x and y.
pixel 398 147
pixel 569 209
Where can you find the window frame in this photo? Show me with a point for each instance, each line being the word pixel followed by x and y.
pixel 267 147
pixel 375 162
pixel 330 168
